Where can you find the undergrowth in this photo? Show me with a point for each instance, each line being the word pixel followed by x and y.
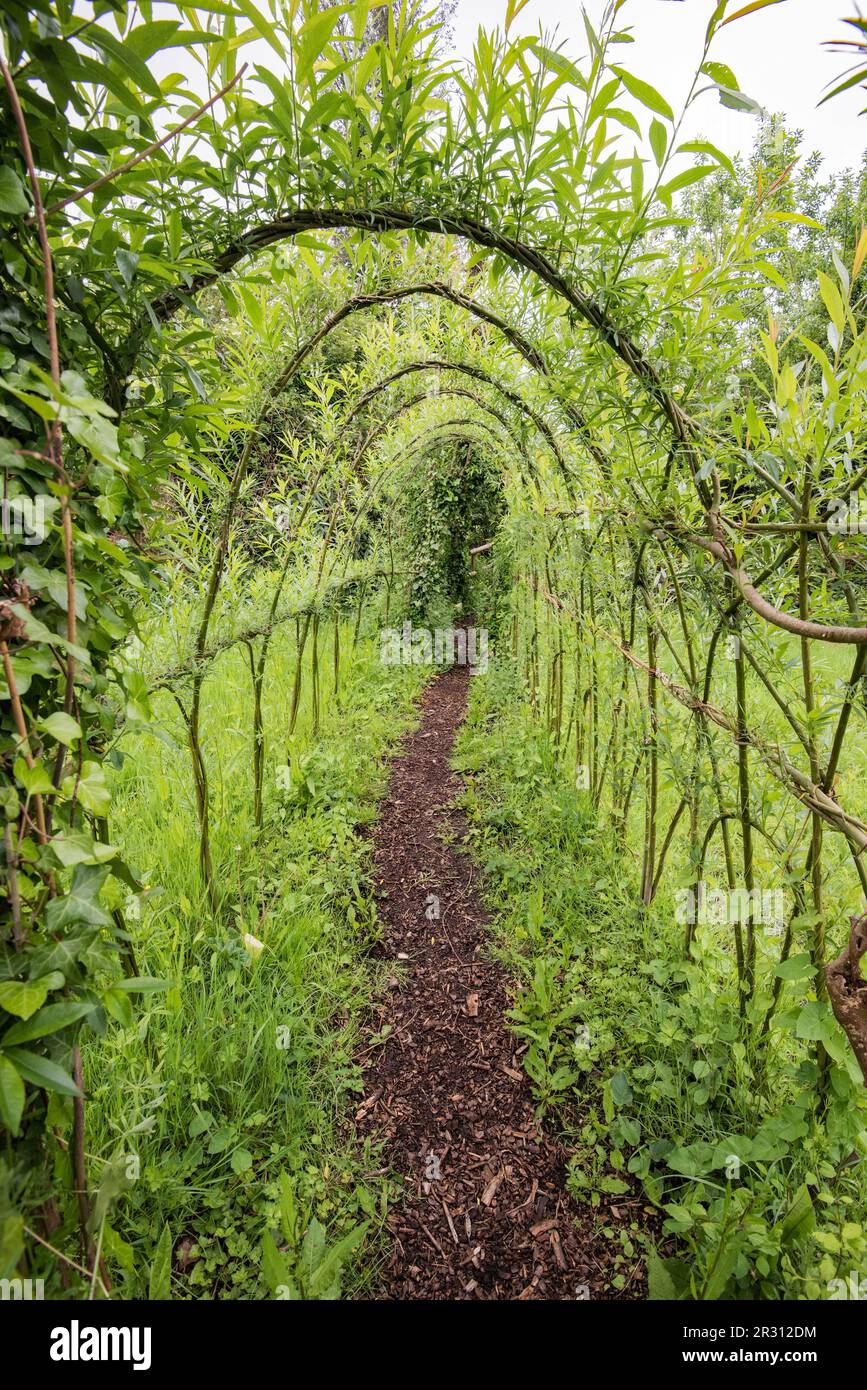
pixel 218 1115
pixel 640 1055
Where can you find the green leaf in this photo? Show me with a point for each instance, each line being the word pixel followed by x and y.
pixel 798 967
pixel 127 264
pixel 685 178
pixel 692 1161
pixel 833 301
pixel 45 1021
pixel 221 1139
pixel 643 92
pixel 312 1249
pixel 42 1072
pixel 826 1240
pixel 705 147
pixel 324 1282
pixel 749 9
pixel 12 196
pixel 35 780
pixel 559 63
pixel 12 1096
pixel 721 1268
pixel 81 903
pixel 23 997
pixel 800 1220
pixel 118 1007
pixel 241 1160
pixel 739 101
pixel 621 1091
pixel 721 74
pixel 201 1123
pixel 658 141
pixel 812 1023
pixel 142 984
pixel 267 30
pixel 513 9
pixel 274 1266
pixel 61 726
pixel 161 1270
pixel 800 218
pixel 77 847
pixel 666 1279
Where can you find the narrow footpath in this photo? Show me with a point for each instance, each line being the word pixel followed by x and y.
pixel 485 1214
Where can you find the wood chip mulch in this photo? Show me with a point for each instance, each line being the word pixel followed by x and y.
pixel 485 1214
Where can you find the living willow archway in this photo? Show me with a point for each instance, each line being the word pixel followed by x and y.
pixel 669 557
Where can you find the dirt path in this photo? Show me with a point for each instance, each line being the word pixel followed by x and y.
pixel 485 1213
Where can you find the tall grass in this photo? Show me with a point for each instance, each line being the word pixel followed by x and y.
pixel 243 1068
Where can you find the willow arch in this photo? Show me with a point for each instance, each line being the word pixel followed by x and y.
pixel 684 430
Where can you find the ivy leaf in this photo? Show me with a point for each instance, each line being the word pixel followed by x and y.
pixel 60 956
pixel 61 726
pixel 23 997
pixel 81 903
pixel 35 780
pixel 77 847
pixel 91 788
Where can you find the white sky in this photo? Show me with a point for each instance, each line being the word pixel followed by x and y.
pixel 776 54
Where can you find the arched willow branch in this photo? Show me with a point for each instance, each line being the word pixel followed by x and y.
pixel 684 429
pixel 437 364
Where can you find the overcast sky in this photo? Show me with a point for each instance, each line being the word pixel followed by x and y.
pixel 776 54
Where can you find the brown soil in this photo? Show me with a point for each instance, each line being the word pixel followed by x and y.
pixel 485 1212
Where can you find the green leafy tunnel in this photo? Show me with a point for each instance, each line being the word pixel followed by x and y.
pixel 299 348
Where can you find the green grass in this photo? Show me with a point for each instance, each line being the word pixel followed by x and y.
pixel 232 1088
pixel 640 1055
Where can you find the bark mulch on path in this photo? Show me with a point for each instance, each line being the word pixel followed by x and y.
pixel 484 1213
